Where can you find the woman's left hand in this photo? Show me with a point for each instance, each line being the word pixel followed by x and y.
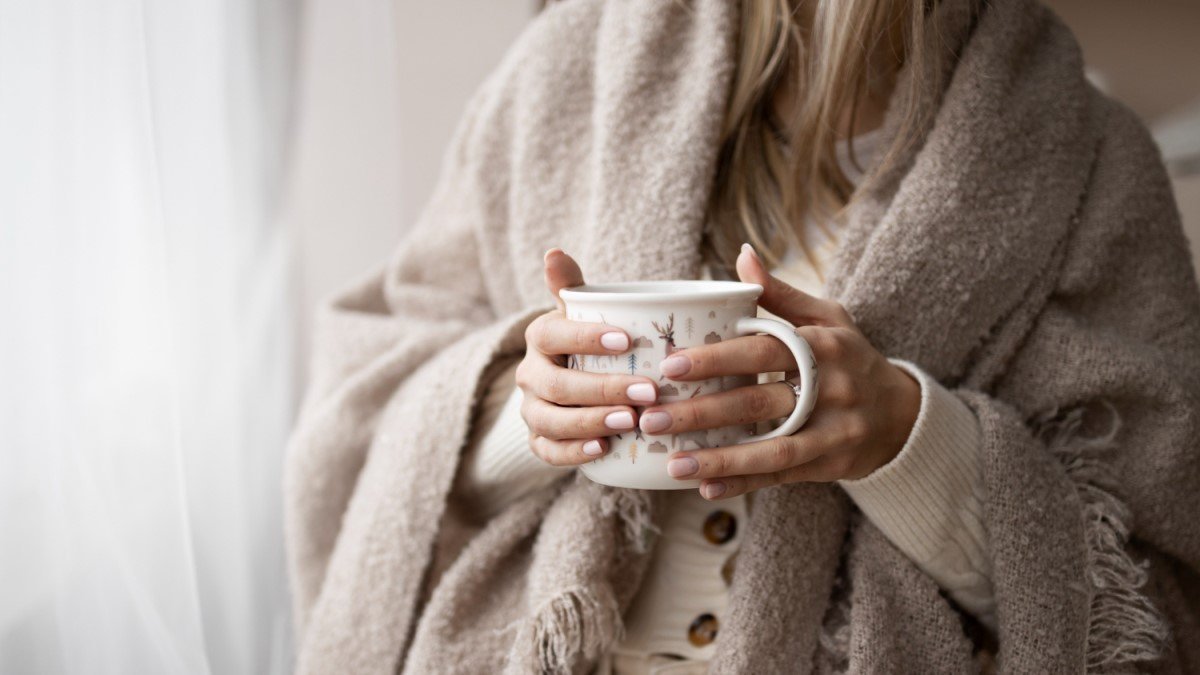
pixel 865 410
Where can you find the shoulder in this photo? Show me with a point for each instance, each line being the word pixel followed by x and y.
pixel 1128 228
pixel 551 61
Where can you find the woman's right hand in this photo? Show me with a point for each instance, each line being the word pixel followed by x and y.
pixel 571 413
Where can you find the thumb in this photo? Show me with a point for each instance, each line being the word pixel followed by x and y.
pixel 786 301
pixel 561 271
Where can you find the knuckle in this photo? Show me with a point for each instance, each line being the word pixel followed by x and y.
pixel 834 345
pixel 583 424
pixel 841 390
pixel 552 452
pixel 855 429
pixel 756 404
pixel 779 454
pixel 612 389
pixel 552 386
pixel 818 338
pixel 535 332
pixel 691 414
pixel 762 351
pixel 581 335
pixel 521 375
pixel 537 444
pixel 771 479
pixel 711 463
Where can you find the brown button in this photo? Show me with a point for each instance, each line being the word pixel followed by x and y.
pixel 720 527
pixel 728 567
pixel 703 630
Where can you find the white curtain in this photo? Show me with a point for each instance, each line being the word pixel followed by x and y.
pixel 146 335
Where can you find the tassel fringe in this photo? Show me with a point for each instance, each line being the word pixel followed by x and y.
pixel 1125 627
pixel 575 624
pixel 634 509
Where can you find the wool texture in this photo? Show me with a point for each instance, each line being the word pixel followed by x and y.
pixel 1025 251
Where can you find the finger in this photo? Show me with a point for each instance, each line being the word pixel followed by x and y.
pixel 749 355
pixel 547 380
pixel 558 423
pixel 819 470
pixel 769 456
pixel 554 334
pixel 785 300
pixel 830 346
pixel 567 453
pixel 561 271
pixel 743 405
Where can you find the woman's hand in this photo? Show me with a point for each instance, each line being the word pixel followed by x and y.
pixel 569 412
pixel 865 410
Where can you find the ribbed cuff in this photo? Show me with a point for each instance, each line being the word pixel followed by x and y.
pixel 921 498
pixel 503 468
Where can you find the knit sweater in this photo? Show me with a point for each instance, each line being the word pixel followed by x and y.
pixel 1023 249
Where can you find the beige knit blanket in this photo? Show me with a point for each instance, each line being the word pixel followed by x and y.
pixel 1026 252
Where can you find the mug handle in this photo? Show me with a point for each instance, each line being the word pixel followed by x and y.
pixel 806 363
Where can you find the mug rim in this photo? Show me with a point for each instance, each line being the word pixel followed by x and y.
pixel 677 290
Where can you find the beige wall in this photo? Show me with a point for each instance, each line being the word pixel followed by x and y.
pixel 1147 54
pixel 382 85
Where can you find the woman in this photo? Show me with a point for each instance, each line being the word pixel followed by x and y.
pixel 1000 471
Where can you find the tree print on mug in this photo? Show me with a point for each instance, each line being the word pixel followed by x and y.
pixel 632 363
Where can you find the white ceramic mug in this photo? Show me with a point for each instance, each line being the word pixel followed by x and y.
pixel 662 317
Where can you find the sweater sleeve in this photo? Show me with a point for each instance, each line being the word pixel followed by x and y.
pixel 928 501
pixel 498 466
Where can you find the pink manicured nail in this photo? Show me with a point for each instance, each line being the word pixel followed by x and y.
pixel 641 391
pixel 682 466
pixel 621 419
pixel 713 490
pixel 674 366
pixel 654 422
pixel 592 448
pixel 747 248
pixel 618 342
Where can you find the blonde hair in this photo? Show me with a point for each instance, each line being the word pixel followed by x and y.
pixel 850 49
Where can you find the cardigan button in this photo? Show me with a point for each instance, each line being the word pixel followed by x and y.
pixel 720 527
pixel 703 630
pixel 728 568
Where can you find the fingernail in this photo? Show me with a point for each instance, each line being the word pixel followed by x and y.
pixel 592 448
pixel 618 342
pixel 641 391
pixel 621 419
pixel 713 490
pixel 674 366
pixel 654 422
pixel 747 248
pixel 682 466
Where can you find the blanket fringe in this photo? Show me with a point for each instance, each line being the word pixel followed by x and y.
pixel 1125 627
pixel 576 623
pixel 634 510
